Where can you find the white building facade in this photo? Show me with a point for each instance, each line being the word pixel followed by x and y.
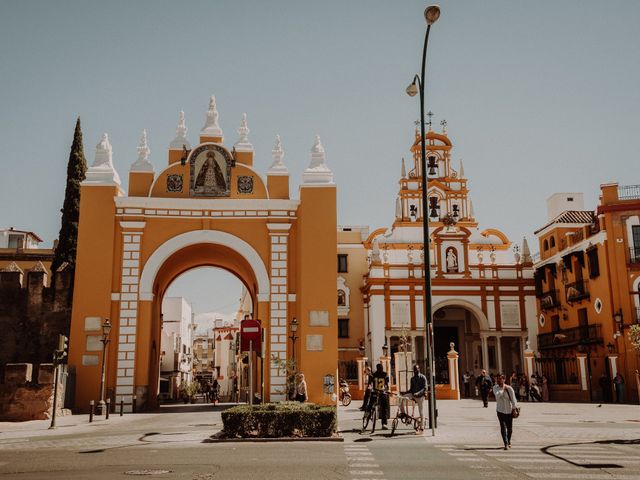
pixel 483 298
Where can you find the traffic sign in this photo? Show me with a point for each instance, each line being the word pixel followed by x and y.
pixel 250 331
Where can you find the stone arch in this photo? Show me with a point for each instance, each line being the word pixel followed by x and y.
pixel 483 322
pixel 173 245
pixel 636 292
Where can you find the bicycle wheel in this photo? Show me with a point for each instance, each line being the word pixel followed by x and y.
pixel 366 418
pixel 394 425
pixel 374 417
pixel 346 399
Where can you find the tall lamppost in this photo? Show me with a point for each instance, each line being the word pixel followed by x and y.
pixel 293 328
pixel 106 329
pixel 431 15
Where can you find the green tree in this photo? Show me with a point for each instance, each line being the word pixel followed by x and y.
pixel 76 173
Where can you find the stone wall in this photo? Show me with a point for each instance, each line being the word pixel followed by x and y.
pixel 22 399
pixel 32 314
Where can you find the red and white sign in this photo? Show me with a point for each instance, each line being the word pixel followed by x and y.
pixel 250 331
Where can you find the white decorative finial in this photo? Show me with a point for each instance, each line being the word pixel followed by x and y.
pixel 277 167
pixel 526 253
pixel 142 164
pixel 461 170
pixel 211 127
pixel 472 213
pixel 181 135
pixel 398 207
pixel 403 170
pixel 317 171
pixel 102 171
pixel 243 144
pixel 375 251
pixel 143 148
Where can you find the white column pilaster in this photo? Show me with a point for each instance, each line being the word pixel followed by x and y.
pixel 485 353
pixel 127 324
pixel 279 236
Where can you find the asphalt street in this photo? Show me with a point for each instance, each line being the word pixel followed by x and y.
pixel 554 441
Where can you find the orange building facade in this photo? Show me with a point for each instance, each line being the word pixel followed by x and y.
pixel 207 207
pixel 588 294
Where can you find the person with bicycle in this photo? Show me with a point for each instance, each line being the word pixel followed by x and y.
pixel 417 389
pixel 379 382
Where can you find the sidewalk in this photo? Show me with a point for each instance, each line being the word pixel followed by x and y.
pixel 466 421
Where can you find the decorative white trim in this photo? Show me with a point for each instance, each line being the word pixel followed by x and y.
pixel 279 227
pixel 171 246
pixel 206 203
pixel 115 296
pixel 135 225
pixel 292 297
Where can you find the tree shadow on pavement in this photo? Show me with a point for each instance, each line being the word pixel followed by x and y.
pixel 546 451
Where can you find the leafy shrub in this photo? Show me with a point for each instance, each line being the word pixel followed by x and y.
pixel 273 420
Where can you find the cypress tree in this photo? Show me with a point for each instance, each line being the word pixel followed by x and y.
pixel 76 173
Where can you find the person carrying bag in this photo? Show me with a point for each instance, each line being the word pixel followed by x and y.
pixel 506 408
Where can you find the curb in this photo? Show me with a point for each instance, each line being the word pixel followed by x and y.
pixel 339 438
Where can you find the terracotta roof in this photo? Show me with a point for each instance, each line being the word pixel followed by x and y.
pixel 572 216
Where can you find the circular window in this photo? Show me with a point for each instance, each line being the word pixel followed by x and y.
pixel 597 305
pixel 541 320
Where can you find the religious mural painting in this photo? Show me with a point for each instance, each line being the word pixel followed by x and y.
pixel 210 171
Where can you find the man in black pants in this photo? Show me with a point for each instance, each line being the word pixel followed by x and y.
pixel 380 384
pixel 505 404
pixel 484 383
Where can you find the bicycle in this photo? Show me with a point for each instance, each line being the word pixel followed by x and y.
pixel 407 419
pixel 373 411
pixel 345 396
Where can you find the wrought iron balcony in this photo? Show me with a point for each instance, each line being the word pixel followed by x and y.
pixel 629 192
pixel 549 300
pixel 634 255
pixel 584 335
pixel 576 291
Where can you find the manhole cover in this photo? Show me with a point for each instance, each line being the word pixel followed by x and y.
pixel 147 472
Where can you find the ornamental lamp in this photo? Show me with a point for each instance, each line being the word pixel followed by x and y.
pixel 432 14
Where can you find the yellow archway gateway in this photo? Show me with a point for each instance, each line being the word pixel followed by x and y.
pixel 208 207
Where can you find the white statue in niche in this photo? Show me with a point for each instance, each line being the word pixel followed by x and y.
pixel 452 260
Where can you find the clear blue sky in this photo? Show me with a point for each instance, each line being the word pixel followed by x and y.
pixel 539 97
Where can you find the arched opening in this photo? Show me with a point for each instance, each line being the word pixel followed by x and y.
pixel 200 315
pixel 231 270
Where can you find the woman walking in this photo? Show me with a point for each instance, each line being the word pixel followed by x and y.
pixel 505 404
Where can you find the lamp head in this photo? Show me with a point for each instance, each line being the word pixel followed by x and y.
pixel 294 325
pixel 432 14
pixel 412 90
pixel 106 327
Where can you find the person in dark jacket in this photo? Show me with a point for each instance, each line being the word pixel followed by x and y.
pixel 416 392
pixel 484 384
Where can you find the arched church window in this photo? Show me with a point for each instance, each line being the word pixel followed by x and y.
pixel 342 298
pixel 545 245
pixel 553 242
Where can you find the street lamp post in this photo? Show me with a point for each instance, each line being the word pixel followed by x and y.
pixel 106 329
pixel 431 14
pixel 293 328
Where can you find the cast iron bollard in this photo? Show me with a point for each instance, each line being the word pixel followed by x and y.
pixel 91 407
pixel 121 407
pixel 133 404
pixel 106 414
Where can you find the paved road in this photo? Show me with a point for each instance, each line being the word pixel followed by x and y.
pixel 551 441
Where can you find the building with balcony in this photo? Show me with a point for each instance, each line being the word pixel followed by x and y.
pixel 176 347
pixel 587 287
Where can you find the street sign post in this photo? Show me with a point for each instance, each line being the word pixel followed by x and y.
pixel 250 339
pixel 250 331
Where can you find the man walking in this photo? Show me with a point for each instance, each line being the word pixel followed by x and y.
pixel 467 387
pixel 485 384
pixel 417 389
pixel 379 382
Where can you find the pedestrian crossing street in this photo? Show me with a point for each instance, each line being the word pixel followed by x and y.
pixel 585 461
pixel 360 463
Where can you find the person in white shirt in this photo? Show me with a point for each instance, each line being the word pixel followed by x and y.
pixel 505 403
